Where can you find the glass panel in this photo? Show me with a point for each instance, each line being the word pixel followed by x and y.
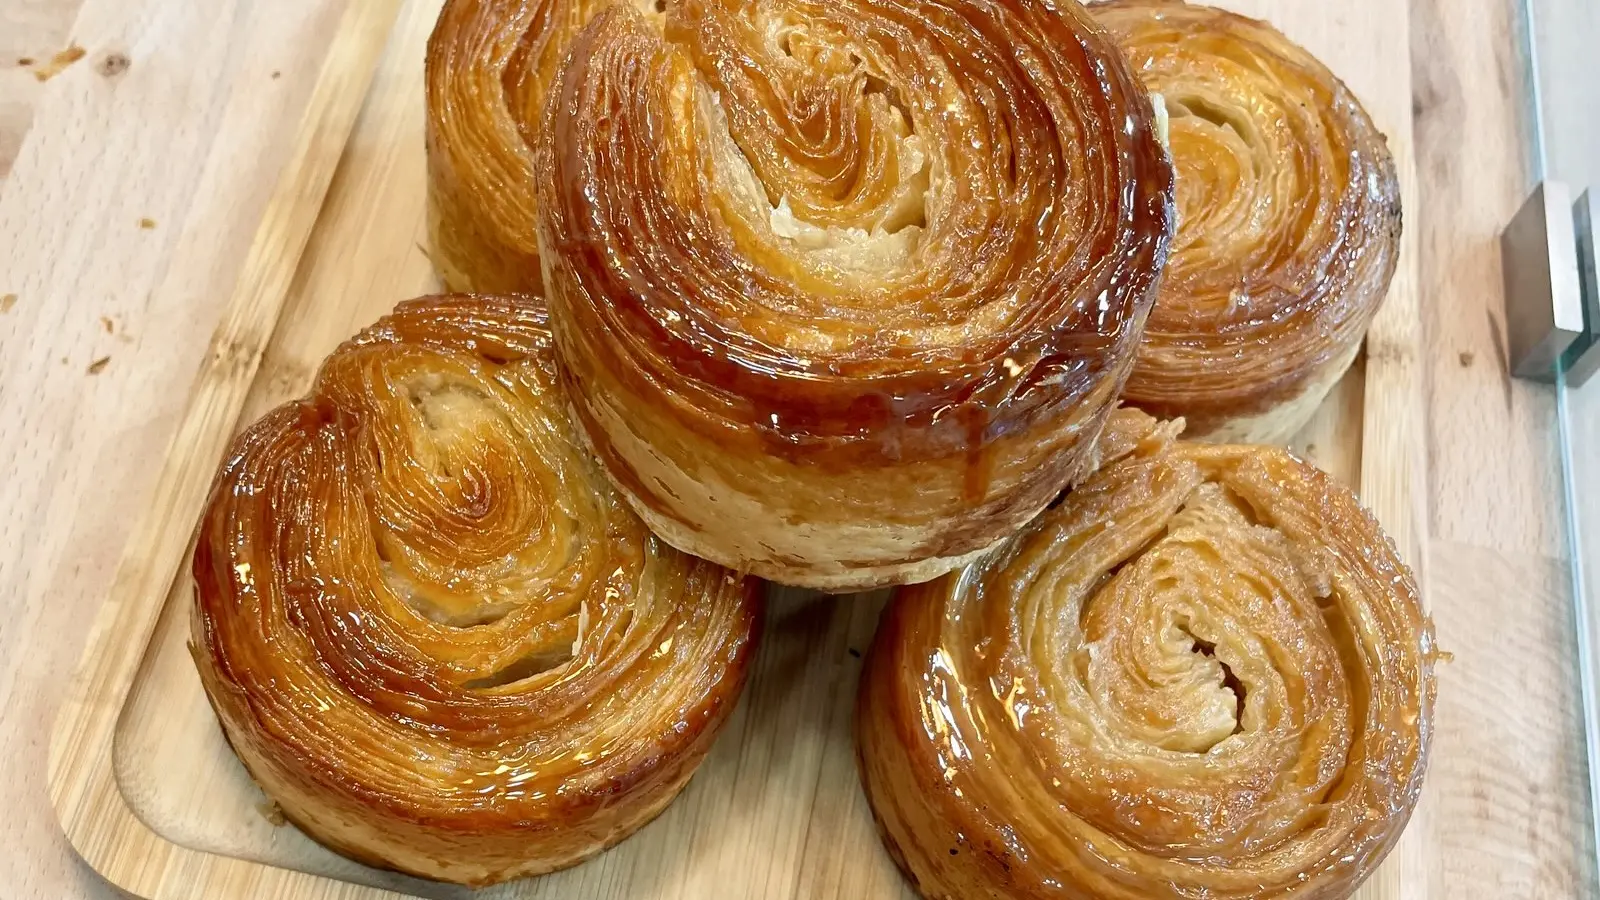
pixel 1566 38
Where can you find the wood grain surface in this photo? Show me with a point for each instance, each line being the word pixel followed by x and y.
pixel 190 135
pixel 1511 812
pixel 193 133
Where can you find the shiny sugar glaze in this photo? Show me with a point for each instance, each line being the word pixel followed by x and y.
pixel 432 632
pixel 489 66
pixel 1288 222
pixel 869 275
pixel 1204 673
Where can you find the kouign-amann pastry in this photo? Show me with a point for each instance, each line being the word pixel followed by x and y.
pixel 1205 673
pixel 1288 223
pixel 489 65
pixel 432 632
pixel 844 291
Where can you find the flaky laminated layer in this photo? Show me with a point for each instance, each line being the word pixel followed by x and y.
pixel 489 66
pixel 844 290
pixel 1288 222
pixel 431 630
pixel 1203 674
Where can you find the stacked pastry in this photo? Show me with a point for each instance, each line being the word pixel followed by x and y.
pixel 1288 223
pixel 845 295
pixel 433 634
pixel 1205 673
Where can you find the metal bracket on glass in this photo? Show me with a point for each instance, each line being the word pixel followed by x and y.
pixel 1551 291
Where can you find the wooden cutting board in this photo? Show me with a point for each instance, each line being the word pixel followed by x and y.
pixel 149 793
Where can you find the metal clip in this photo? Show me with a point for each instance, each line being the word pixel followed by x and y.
pixel 1548 261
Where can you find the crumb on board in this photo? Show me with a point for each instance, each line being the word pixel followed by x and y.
pixel 99 365
pixel 59 63
pixel 276 74
pixel 113 64
pixel 271 812
pixel 147 223
pixel 7 301
pixel 108 324
pixel 1466 358
pixel 24 61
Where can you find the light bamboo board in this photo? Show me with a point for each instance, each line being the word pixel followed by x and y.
pixel 147 790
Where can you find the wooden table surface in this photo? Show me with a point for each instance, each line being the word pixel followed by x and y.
pixel 131 182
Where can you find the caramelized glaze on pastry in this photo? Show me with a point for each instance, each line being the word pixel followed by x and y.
pixel 432 632
pixel 844 291
pixel 489 65
pixel 1288 223
pixel 1205 673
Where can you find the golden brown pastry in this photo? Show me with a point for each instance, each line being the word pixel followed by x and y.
pixel 489 65
pixel 432 632
pixel 1288 223
pixel 1205 673
pixel 844 291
